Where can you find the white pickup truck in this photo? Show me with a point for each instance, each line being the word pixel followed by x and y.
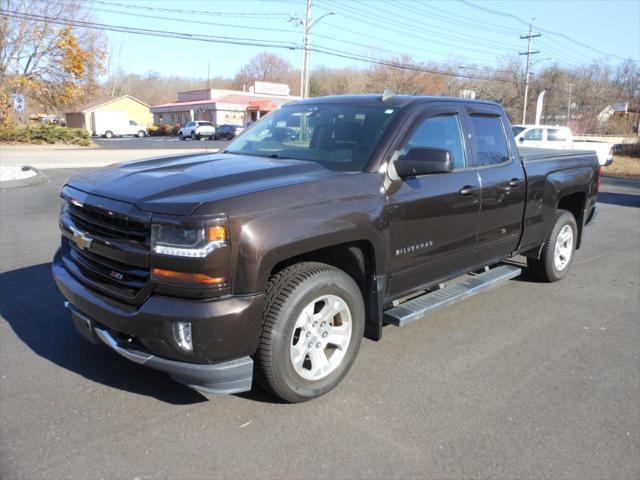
pixel 544 136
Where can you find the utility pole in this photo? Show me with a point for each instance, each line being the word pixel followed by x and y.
pixel 569 105
pixel 306 43
pixel 307 23
pixel 528 53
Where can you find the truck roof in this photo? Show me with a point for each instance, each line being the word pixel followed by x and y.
pixel 391 100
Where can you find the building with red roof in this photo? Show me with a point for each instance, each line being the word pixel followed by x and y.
pixel 223 106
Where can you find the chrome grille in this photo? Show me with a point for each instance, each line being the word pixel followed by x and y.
pixel 108 224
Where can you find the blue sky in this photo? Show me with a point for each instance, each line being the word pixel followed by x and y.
pixel 447 32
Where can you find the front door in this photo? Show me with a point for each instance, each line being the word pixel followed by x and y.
pixel 433 219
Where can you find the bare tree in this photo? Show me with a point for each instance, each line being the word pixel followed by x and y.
pixel 54 63
pixel 265 66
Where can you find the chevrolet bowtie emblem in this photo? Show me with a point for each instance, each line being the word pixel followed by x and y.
pixel 81 239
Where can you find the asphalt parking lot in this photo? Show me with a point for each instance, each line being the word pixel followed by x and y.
pixel 528 380
pixel 119 143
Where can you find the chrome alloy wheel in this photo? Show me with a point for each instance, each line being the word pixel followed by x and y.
pixel 321 337
pixel 564 248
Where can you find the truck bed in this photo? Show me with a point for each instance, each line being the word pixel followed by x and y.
pixel 531 154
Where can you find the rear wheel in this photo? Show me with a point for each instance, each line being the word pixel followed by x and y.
pixel 558 249
pixel 194 136
pixel 108 134
pixel 140 134
pixel 312 331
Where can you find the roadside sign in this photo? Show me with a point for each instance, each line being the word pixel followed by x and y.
pixel 18 102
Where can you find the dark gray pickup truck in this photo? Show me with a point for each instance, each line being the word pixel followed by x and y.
pixel 326 220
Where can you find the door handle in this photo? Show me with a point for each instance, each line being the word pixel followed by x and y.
pixel 466 190
pixel 514 182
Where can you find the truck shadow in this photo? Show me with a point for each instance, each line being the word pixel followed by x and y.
pixel 621 199
pixel 33 307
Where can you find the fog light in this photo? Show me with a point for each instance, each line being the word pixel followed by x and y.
pixel 182 334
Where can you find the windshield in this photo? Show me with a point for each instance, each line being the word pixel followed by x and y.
pixel 340 137
pixel 516 130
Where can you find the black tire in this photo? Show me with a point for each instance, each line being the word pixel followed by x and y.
pixel 140 134
pixel 108 134
pixel 288 293
pixel 194 136
pixel 544 268
pixel 180 136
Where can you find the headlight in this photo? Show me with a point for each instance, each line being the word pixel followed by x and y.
pixel 186 241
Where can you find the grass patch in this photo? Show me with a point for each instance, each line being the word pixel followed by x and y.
pixel 45 134
pixel 623 166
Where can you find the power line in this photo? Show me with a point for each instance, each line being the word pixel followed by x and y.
pixel 200 22
pixel 391 63
pixel 148 32
pixel 190 12
pixel 550 32
pixel 235 41
pixel 402 28
pixel 421 26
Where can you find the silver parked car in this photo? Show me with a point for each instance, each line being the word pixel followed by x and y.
pixel 196 130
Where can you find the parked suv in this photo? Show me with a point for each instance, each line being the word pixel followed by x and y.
pixel 197 130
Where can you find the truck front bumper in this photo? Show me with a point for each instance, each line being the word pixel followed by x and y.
pixel 225 333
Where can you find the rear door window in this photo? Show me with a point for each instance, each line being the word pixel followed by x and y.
pixel 557 135
pixel 490 139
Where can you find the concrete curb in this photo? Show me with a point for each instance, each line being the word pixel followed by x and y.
pixel 25 182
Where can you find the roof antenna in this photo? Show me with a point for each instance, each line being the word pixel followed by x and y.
pixel 388 94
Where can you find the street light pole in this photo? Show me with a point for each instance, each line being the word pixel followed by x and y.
pixel 528 53
pixel 307 23
pixel 304 71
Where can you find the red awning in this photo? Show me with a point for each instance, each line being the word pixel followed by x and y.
pixel 262 106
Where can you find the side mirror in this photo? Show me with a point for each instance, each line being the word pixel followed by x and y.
pixel 422 161
pixel 521 140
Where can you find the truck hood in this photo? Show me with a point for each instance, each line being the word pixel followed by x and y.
pixel 178 185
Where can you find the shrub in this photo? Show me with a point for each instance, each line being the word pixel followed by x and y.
pixel 164 130
pixel 48 133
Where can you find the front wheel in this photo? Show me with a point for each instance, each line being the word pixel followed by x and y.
pixel 108 134
pixel 313 324
pixel 140 134
pixel 558 249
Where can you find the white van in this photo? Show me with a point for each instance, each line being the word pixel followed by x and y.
pixel 113 123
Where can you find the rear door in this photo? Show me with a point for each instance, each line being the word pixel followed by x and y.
pixel 433 219
pixel 503 184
